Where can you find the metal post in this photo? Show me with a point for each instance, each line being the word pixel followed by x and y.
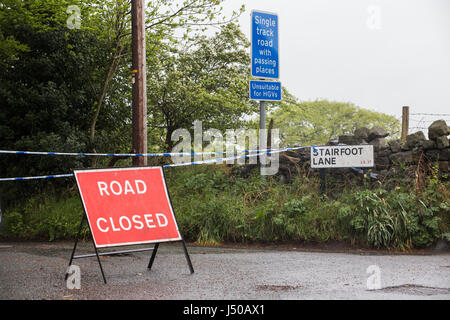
pixel 139 82
pixel 152 259
pixel 323 181
pixel 98 260
pixel 405 123
pixel 262 133
pixel 188 259
pixel 262 115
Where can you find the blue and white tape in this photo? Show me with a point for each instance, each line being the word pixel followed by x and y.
pixel 267 151
pixel 232 158
pixel 251 153
pixel 127 155
pixel 37 178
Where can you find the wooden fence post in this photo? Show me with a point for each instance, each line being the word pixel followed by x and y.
pixel 405 123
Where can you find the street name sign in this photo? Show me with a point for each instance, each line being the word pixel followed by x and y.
pixel 342 157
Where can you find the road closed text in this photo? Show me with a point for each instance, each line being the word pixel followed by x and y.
pixel 115 188
pixel 136 222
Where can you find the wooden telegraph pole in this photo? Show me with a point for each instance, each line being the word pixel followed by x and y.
pixel 405 123
pixel 139 82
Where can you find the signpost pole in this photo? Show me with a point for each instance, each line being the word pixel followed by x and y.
pixel 323 181
pixel 262 124
pixel 262 115
pixel 262 133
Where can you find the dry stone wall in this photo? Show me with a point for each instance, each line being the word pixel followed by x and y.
pixel 389 154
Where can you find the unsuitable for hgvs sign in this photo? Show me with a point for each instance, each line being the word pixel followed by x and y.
pixel 342 157
pixel 127 206
pixel 265 90
pixel 265 54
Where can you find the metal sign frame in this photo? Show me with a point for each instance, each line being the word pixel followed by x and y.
pixel 98 254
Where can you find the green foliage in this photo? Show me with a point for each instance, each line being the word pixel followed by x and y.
pixel 69 90
pixel 205 79
pixel 214 206
pixel 392 219
pixel 45 217
pixel 317 122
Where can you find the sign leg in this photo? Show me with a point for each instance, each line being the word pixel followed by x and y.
pixel 99 262
pixel 75 245
pixel 152 259
pixel 188 259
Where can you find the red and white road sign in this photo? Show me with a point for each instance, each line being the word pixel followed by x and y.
pixel 127 206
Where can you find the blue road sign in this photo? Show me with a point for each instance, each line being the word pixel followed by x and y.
pixel 265 90
pixel 265 54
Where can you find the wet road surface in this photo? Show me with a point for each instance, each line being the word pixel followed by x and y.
pixel 36 271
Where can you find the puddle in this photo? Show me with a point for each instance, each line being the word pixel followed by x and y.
pixel 276 288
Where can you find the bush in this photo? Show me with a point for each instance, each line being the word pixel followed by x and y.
pixel 45 217
pixel 393 219
pixel 213 206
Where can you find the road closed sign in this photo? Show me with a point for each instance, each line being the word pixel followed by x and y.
pixel 127 206
pixel 342 157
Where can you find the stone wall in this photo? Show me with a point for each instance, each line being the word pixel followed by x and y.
pixel 417 149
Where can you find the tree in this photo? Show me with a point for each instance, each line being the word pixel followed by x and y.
pixel 205 80
pixel 45 90
pixel 318 122
pixel 69 89
pixel 111 20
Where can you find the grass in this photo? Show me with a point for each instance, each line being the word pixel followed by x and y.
pixel 215 206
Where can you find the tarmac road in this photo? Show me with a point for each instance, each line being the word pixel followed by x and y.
pixel 36 271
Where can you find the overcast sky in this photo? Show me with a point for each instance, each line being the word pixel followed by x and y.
pixel 379 54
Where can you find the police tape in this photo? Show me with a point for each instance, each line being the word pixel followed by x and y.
pixel 232 158
pixel 265 152
pixel 130 155
pixel 37 178
pixel 261 152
